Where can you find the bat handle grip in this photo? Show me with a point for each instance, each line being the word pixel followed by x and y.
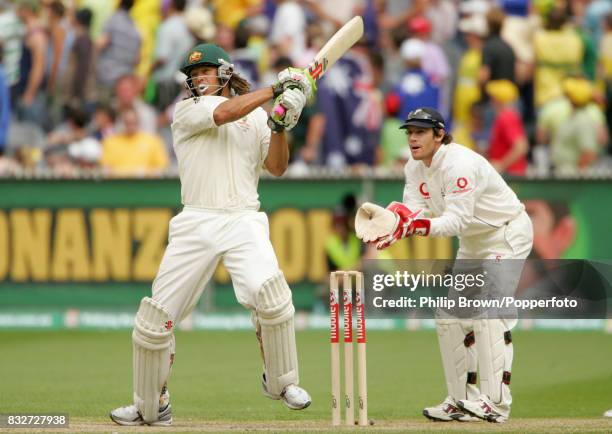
pixel 279 111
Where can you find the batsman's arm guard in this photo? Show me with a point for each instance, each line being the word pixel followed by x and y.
pixel 153 345
pixel 274 314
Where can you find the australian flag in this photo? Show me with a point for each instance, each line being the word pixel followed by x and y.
pixel 416 90
pixel 350 102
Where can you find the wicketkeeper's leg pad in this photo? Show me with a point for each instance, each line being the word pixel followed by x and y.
pixel 274 314
pixel 495 353
pixel 153 344
pixel 459 359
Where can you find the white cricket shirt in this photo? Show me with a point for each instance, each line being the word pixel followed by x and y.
pixel 219 166
pixel 461 193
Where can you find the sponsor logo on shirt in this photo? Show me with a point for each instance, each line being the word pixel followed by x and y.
pixel 463 185
pixel 243 123
pixel 423 190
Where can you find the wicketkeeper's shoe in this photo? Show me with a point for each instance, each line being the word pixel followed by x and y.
pixel 608 413
pixel 485 409
pixel 130 416
pixel 293 396
pixel 447 412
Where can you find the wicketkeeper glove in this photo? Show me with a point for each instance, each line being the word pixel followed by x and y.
pixel 408 224
pixel 373 222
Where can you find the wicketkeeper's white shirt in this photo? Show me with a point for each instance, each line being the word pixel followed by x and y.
pixel 219 166
pixel 461 193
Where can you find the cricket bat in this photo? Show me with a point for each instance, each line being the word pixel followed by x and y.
pixel 333 50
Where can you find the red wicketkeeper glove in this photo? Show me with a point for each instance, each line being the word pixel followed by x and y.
pixel 408 224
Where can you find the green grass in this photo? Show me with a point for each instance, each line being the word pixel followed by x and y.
pixel 216 375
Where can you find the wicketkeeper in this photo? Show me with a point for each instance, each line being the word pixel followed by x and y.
pixel 453 191
pixel 223 140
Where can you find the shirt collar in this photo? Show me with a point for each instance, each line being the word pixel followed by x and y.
pixel 437 159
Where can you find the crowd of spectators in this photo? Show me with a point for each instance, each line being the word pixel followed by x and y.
pixel 87 85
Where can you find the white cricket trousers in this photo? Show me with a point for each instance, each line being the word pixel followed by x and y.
pixel 511 241
pixel 197 240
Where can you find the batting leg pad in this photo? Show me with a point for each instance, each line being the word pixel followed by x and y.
pixel 495 352
pixel 153 344
pixel 275 313
pixel 458 357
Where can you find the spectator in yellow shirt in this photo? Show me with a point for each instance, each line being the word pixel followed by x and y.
pixel 572 126
pixel 133 152
pixel 559 52
pixel 231 12
pixel 467 90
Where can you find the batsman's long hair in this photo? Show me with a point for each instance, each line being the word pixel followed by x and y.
pixel 239 84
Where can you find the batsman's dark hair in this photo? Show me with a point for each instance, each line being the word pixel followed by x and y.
pixel 239 84
pixel 446 138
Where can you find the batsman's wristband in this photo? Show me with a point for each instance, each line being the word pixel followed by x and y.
pixel 275 126
pixel 277 89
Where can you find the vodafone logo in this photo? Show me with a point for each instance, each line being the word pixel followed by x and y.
pixel 462 182
pixel 423 190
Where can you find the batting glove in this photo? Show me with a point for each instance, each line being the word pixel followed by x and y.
pixel 294 78
pixel 292 101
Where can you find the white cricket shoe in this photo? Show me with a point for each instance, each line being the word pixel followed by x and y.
pixel 130 416
pixel 485 409
pixel 447 412
pixel 293 396
pixel 608 413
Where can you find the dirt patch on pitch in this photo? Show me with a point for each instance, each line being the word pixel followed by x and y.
pixel 195 426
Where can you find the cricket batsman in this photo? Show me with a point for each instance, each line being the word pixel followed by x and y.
pixel 453 191
pixel 222 139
